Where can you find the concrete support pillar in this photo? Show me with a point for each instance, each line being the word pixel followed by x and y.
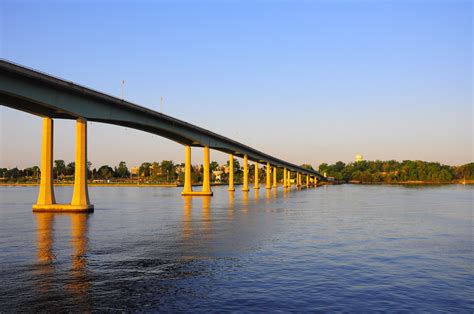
pixel 315 181
pixel 255 185
pixel 231 172
pixel 80 197
pixel 298 179
pixel 269 175
pixel 187 188
pixel 245 186
pixel 275 177
pixel 307 180
pixel 46 190
pixel 206 182
pixel 285 184
pixel 289 178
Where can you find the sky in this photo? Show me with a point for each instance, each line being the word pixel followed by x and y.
pixel 305 81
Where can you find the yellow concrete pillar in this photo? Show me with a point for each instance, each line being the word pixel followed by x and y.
pixel 46 191
pixel 80 197
pixel 275 177
pixel 285 184
pixel 298 179
pixel 231 172
pixel 269 174
pixel 255 185
pixel 307 180
pixel 315 181
pixel 206 182
pixel 289 178
pixel 187 188
pixel 245 186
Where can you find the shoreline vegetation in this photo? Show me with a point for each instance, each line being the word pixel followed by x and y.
pixel 169 174
pixel 171 185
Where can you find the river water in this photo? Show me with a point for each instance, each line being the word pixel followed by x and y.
pixel 333 248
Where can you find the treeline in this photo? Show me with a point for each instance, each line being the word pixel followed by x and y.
pixel 165 171
pixel 393 171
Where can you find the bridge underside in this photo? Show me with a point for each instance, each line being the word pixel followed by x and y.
pixel 46 96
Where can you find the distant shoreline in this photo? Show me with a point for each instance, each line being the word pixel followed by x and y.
pixel 171 185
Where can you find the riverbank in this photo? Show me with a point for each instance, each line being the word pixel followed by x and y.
pixel 466 182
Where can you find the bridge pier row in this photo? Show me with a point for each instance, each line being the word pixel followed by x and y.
pixel 255 180
pixel 206 182
pixel 268 177
pixel 275 184
pixel 231 173
pixel 245 186
pixel 285 184
pixel 80 199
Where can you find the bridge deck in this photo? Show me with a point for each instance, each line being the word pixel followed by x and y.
pixel 41 94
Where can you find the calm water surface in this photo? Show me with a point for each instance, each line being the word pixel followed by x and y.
pixel 350 248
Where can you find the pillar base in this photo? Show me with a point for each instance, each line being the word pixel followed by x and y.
pixel 245 190
pixel 256 188
pixel 192 193
pixel 231 190
pixel 63 208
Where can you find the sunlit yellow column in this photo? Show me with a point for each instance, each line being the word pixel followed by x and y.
pixel 255 185
pixel 245 186
pixel 206 182
pixel 298 179
pixel 288 177
pixel 275 177
pixel 315 181
pixel 46 191
pixel 231 172
pixel 80 197
pixel 285 184
pixel 307 180
pixel 269 175
pixel 187 188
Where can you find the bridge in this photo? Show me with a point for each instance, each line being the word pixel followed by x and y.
pixel 50 97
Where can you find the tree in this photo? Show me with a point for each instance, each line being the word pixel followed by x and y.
pixel 105 172
pixel 71 168
pixel 122 170
pixel 145 169
pixel 213 166
pixel 168 169
pixel 59 167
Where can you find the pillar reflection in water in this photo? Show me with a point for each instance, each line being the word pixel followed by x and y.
pixel 44 245
pixel 206 216
pixel 255 195
pixel 267 196
pixel 79 284
pixel 230 212
pixel 245 202
pixel 187 229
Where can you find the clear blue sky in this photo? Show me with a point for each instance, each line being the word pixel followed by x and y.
pixel 307 81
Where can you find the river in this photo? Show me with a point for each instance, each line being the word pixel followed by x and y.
pixel 333 248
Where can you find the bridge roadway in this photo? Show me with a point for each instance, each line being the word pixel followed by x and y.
pixel 50 97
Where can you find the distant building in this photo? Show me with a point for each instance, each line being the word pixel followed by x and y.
pixel 359 157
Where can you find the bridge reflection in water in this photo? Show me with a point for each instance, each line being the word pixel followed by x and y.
pixel 78 283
